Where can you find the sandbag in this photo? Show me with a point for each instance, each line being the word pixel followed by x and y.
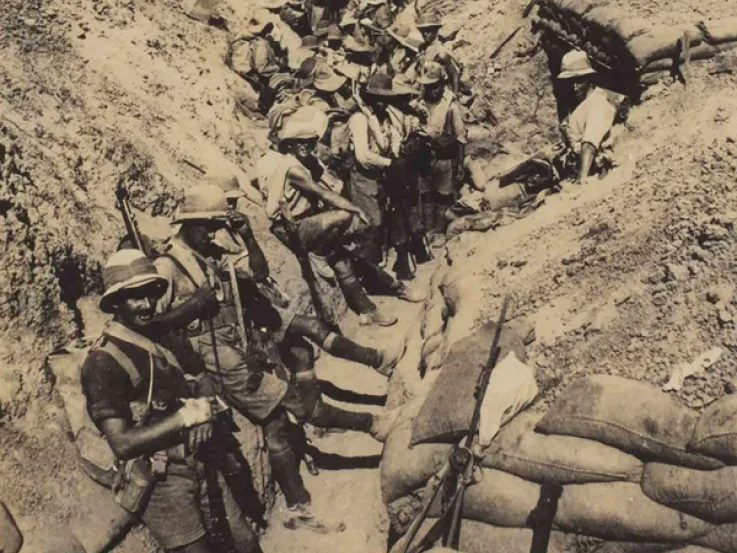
pixel 50 539
pixel 710 495
pixel 659 43
pixel 632 547
pixel 701 52
pixel 11 539
pixel 477 537
pixel 541 458
pixel 405 468
pixel 446 414
pixel 715 433
pixel 723 538
pixel 653 426
pixel 724 30
pixel 621 511
pixel 499 498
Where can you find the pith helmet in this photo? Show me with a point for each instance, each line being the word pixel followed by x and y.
pixel 203 202
pixel 229 185
pixel 575 63
pixel 429 20
pixel 308 122
pixel 126 270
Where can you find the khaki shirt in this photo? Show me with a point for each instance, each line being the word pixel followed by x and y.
pixel 593 119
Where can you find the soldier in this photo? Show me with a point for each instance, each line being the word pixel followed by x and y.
pixel 207 252
pixel 590 123
pixel 300 195
pixel 432 49
pixel 379 133
pixel 258 58
pixel 139 399
pixel 446 131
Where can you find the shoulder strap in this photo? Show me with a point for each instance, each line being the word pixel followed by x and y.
pixel 123 360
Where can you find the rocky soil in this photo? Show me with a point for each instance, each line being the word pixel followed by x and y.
pixel 629 275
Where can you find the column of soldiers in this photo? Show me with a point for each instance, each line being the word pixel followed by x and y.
pixel 367 155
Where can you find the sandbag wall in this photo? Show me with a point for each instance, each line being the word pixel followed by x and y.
pixel 630 51
pixel 636 466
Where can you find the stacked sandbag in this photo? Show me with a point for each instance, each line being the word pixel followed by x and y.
pixel 707 494
pixel 716 432
pixel 653 426
pixel 628 46
pixel 446 413
pixel 541 458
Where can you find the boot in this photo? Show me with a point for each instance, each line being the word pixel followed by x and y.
pixel 303 516
pixel 376 318
pixel 402 266
pixel 409 293
pixel 285 467
pixel 384 424
pixel 390 356
pixel 329 417
pixel 419 250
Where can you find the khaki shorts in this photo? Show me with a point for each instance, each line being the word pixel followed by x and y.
pixel 241 386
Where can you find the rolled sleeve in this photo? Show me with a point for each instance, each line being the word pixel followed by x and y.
pixel 106 387
pixel 458 125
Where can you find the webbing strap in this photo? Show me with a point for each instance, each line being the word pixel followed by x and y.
pixel 123 360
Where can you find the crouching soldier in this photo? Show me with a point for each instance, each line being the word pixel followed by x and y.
pixel 590 124
pixel 305 210
pixel 138 397
pixel 199 256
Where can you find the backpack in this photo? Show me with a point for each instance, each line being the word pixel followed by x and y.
pixel 239 56
pixel 96 458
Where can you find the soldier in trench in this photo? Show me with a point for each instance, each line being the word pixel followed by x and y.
pixel 204 254
pixel 138 397
pixel 588 129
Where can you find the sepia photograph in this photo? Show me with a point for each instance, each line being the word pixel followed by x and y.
pixel 368 276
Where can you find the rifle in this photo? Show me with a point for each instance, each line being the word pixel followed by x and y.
pixel 458 468
pixel 129 219
pixel 480 393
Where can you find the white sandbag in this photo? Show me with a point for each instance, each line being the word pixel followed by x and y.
pixel 405 468
pixel 653 426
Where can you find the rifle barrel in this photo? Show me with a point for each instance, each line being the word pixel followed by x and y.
pixel 486 373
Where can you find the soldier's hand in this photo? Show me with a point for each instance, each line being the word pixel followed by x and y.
pixel 207 300
pixel 239 221
pixel 362 216
pixel 195 411
pixel 199 435
pixel 206 386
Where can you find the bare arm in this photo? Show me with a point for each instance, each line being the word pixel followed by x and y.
pixel 303 183
pixel 359 128
pixel 128 441
pixel 588 152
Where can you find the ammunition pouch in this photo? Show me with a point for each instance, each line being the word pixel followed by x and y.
pixel 132 481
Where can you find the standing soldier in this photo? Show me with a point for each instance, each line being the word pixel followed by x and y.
pixel 429 24
pixel 206 253
pixel 446 131
pixel 139 399
pixel 378 132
